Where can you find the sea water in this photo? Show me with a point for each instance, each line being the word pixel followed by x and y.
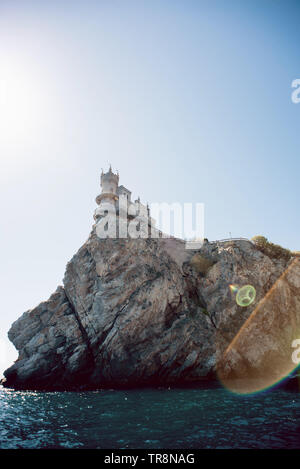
pixel 149 418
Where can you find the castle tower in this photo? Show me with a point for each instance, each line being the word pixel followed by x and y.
pixel 109 201
pixel 109 193
pixel 109 185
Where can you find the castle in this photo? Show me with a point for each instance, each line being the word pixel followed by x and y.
pixel 117 199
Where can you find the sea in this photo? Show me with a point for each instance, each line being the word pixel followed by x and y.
pixel 149 418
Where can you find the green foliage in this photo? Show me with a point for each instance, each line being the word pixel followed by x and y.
pixel 259 240
pixel 205 312
pixel 271 250
pixel 201 264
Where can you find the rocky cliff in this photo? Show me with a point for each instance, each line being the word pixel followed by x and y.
pixel 262 353
pixel 138 312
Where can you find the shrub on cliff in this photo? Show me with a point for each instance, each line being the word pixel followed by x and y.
pixel 259 240
pixel 270 249
pixel 201 264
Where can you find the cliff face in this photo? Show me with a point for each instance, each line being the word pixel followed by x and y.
pixel 134 312
pixel 261 353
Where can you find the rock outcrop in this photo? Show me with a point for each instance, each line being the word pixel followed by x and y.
pixel 138 312
pixel 262 352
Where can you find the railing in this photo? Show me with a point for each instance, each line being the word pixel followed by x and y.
pixel 225 240
pixel 230 239
pixel 196 243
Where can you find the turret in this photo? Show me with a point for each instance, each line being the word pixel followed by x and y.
pixel 109 185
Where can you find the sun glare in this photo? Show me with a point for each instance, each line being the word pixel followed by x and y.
pixel 20 103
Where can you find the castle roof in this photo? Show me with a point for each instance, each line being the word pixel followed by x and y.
pixel 123 188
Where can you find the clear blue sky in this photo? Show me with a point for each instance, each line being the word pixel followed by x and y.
pixel 189 100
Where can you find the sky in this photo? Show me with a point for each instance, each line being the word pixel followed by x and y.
pixel 189 100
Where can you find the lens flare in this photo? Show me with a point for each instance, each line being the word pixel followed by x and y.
pixel 233 288
pixel 245 296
